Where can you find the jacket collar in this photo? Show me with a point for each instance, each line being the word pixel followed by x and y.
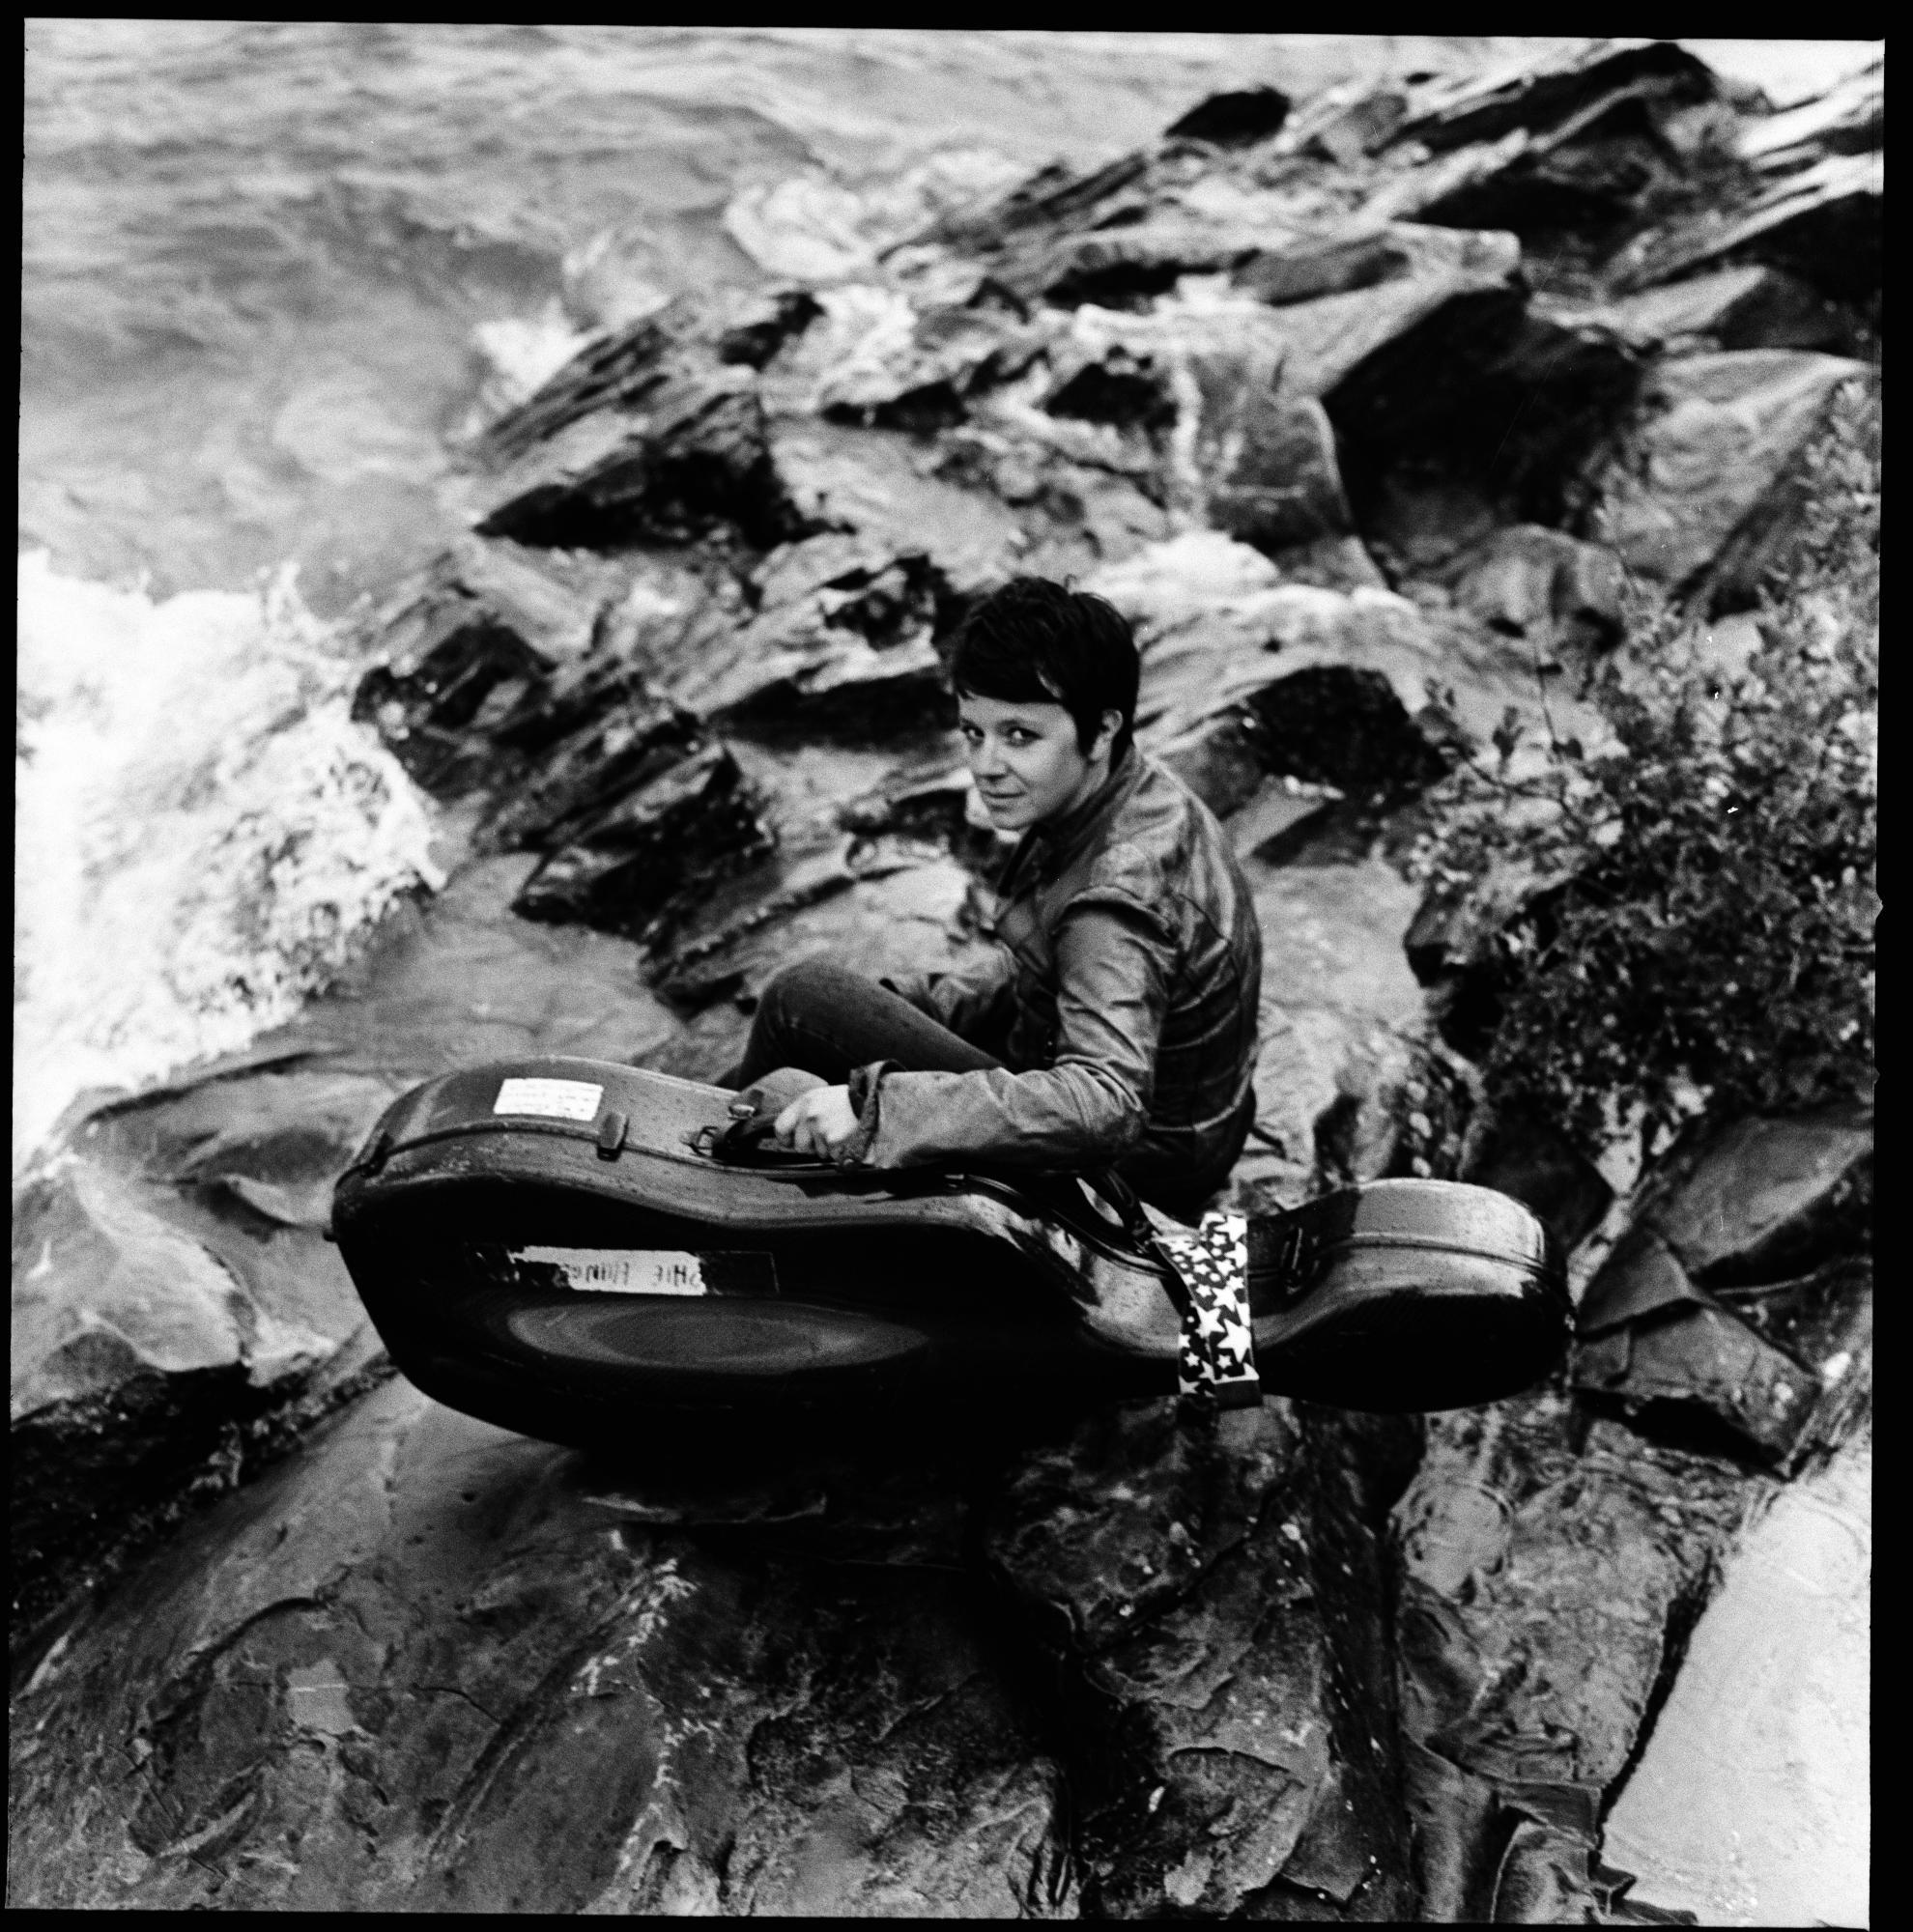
pixel 1051 847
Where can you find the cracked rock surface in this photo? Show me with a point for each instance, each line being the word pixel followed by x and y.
pixel 1359 408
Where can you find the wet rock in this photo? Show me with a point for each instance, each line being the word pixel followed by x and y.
pixel 1750 1804
pixel 882 908
pixel 761 330
pixel 839 647
pixel 1849 119
pixel 669 836
pixel 581 776
pixel 1547 1586
pixel 167 1322
pixel 1124 267
pixel 1700 485
pixel 1207 1598
pixel 1342 1019
pixel 423 1666
pixel 697 460
pixel 1822 224
pixel 1768 1198
pixel 617 373
pixel 1690 1360
pixel 1545 587
pixel 1337 683
pixel 1580 186
pixel 1267 460
pixel 459 664
pixel 868 483
pixel 1703 1307
pixel 1344 124
pixel 1451 946
pixel 1749 307
pixel 923 380
pixel 1523 1154
pixel 109 1292
pixel 1053 200
pixel 1481 387
pixel 1236 119
pixel 1086 494
pixel 458 980
pixel 1550 90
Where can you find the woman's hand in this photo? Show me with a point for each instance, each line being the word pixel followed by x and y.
pixel 818 1122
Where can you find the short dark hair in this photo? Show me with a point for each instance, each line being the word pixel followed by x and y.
pixel 1035 642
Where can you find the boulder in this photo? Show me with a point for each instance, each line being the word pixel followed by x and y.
pixel 424 1666
pixel 1698 491
pixel 1521 1152
pixel 1766 1199
pixel 672 835
pixel 1543 92
pixel 1822 224
pixel 697 460
pixel 1542 586
pixel 760 325
pixel 1267 461
pixel 1344 124
pixel 924 380
pixel 869 483
pixel 1481 387
pixel 1702 1307
pixel 1341 1023
pixel 1753 306
pixel 1241 119
pixel 1546 1584
pixel 881 907
pixel 457 665
pixel 1752 1796
pixel 1352 256
pixel 162 1345
pixel 1576 188
pixel 1849 119
pixel 841 647
pixel 1338 683
pixel 1053 200
pixel 615 373
pixel 633 739
pixel 1208 1599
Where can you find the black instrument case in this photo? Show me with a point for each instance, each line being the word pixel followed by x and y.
pixel 556 1245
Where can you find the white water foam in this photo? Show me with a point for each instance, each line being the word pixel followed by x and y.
pixel 202 832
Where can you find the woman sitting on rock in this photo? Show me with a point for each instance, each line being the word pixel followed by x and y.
pixel 1115 1022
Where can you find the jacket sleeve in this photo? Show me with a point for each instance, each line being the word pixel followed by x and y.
pixel 1113 966
pixel 972 1001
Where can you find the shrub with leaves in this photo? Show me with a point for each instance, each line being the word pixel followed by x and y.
pixel 1704 940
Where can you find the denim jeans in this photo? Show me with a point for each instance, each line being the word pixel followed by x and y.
pixel 827 1020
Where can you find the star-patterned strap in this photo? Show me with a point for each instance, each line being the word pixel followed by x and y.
pixel 1215 1367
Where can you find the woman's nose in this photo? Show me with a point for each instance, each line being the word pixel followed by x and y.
pixel 987 756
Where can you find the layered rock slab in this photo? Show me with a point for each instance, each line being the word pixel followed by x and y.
pixel 424 1669
pixel 1209 1596
pixel 1550 1572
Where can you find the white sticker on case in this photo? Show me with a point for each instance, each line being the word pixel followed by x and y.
pixel 622 1270
pixel 553 1099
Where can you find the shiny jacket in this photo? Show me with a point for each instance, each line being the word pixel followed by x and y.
pixel 1122 998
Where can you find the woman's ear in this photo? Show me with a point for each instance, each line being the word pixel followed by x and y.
pixel 1105 736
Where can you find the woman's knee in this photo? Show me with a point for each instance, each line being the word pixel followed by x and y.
pixel 810 986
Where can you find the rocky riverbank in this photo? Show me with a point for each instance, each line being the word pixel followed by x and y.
pixel 1361 408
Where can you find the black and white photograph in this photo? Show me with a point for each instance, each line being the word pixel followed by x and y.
pixel 944 973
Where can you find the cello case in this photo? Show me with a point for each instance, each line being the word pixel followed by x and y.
pixel 555 1245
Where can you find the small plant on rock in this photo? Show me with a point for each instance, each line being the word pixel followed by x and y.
pixel 1702 938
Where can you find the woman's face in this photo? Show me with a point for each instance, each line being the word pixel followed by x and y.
pixel 1026 761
